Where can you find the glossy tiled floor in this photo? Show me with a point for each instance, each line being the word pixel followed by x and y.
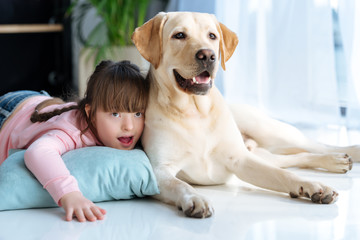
pixel 241 212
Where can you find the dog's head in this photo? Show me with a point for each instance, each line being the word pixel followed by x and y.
pixel 186 46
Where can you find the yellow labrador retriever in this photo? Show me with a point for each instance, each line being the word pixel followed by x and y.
pixel 192 137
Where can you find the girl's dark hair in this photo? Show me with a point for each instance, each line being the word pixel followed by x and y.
pixel 113 87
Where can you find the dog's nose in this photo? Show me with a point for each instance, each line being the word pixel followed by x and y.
pixel 205 56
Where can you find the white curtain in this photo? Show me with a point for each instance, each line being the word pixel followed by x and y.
pixel 349 18
pixel 285 62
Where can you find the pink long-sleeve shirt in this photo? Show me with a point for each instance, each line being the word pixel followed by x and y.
pixel 45 143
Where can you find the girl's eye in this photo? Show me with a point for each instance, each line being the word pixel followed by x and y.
pixel 115 114
pixel 138 114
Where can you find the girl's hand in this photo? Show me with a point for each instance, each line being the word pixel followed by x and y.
pixel 75 204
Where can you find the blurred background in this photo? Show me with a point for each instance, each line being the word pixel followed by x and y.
pixel 35 46
pixel 298 60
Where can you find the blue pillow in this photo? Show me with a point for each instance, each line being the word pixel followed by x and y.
pixel 103 174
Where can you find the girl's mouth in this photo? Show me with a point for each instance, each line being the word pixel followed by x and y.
pixel 127 141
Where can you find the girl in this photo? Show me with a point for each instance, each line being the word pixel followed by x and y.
pixel 110 114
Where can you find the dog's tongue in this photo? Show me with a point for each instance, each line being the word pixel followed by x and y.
pixel 202 78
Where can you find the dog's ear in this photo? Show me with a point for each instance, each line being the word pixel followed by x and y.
pixel 148 39
pixel 228 43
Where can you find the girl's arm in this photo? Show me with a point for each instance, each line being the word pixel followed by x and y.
pixel 43 159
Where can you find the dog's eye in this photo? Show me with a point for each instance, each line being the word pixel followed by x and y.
pixel 179 35
pixel 212 36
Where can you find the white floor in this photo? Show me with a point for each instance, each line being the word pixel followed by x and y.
pixel 241 212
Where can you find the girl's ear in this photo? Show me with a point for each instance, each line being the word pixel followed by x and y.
pixel 87 109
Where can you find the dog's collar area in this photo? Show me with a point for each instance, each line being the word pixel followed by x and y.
pixel 199 85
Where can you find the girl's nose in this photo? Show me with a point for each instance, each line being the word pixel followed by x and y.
pixel 127 123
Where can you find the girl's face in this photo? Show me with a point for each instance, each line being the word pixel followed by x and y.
pixel 119 130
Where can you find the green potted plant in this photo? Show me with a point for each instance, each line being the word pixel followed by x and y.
pixel 110 34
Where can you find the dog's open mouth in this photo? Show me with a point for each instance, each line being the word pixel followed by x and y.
pixel 199 84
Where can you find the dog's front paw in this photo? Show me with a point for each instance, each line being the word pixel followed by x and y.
pixel 317 192
pixel 196 206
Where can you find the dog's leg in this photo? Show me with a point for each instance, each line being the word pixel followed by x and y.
pixel 250 168
pixel 333 162
pixel 281 138
pixel 352 151
pixel 177 192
